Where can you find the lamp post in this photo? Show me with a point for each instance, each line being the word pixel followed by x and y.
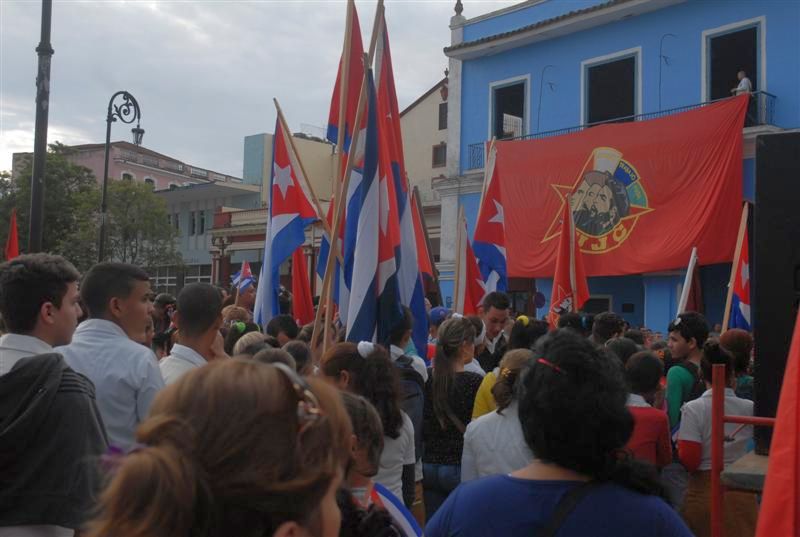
pixel 221 242
pixel 127 112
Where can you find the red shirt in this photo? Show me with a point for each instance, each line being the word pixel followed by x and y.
pixel 650 440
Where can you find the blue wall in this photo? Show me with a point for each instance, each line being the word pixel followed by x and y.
pixel 681 83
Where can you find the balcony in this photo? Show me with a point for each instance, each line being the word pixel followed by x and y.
pixel 761 112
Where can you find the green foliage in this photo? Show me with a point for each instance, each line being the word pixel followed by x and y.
pixel 137 230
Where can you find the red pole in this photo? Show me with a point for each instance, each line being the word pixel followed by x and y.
pixel 717 446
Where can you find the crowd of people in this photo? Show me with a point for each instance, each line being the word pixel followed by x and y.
pixel 126 414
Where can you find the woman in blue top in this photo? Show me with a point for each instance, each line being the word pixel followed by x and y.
pixel 574 419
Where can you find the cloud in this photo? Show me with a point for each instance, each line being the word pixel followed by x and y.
pixel 204 72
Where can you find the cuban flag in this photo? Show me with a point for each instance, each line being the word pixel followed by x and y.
pixel 290 211
pixel 489 240
pixel 740 302
pixel 408 260
pixel 400 514
pixel 470 287
pixel 372 238
pixel 244 278
pixel 354 49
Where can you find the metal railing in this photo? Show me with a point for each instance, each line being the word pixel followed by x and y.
pixel 760 112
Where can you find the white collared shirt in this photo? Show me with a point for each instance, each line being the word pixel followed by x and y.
pixel 494 444
pixel 634 399
pixel 473 366
pixel 696 426
pixel 181 360
pixel 416 362
pixel 125 374
pixel 15 347
pixel 491 344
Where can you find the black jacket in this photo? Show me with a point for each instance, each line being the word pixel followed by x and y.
pixel 490 360
pixel 51 439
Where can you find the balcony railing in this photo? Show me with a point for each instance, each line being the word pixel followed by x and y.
pixel 760 112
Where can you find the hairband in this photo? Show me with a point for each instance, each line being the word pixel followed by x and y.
pixel 524 320
pixel 239 326
pixel 505 372
pixel 365 348
pixel 549 364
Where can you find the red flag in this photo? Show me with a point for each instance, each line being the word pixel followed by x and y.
pixel 695 301
pixel 644 192
pixel 570 290
pixel 12 244
pixel 470 288
pixel 780 506
pixel 302 304
pixel 423 255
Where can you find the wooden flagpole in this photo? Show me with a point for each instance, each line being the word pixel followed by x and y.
pixel 342 185
pixel 737 254
pixel 416 200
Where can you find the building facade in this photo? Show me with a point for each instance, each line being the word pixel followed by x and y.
pixel 542 67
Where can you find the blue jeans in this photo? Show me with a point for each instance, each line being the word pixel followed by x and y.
pixel 438 481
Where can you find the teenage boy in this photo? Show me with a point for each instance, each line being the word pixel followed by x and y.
pixel 494 313
pixel 687 334
pixel 198 318
pixel 51 432
pixel 104 348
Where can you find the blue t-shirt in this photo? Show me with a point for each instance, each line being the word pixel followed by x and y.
pixel 512 507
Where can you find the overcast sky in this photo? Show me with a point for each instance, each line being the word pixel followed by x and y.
pixel 204 72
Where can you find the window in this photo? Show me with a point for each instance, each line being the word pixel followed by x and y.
pixel 597 304
pixel 611 90
pixel 192 223
pixel 198 274
pixel 151 182
pixel 442 116
pixel 728 54
pixel 508 110
pixel 202 223
pixel 439 155
pixel 127 177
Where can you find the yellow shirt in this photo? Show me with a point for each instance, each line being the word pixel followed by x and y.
pixel 484 400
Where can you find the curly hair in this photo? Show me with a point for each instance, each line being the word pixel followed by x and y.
pixel 573 412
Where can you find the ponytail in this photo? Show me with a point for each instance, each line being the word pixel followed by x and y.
pixel 453 333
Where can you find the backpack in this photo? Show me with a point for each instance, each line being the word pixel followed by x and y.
pixel 699 386
pixel 412 397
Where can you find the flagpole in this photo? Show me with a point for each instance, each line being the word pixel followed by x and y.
pixel 418 203
pixel 459 297
pixel 687 282
pixel 487 172
pixel 572 279
pixel 737 254
pixel 339 205
pixel 344 73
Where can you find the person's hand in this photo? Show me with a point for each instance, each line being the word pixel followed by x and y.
pixel 218 348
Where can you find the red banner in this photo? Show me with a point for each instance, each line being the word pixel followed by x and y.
pixel 643 193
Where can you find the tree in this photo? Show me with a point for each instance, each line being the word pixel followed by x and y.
pixel 70 191
pixel 138 230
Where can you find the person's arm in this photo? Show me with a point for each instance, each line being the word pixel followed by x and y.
pixel 151 383
pixel 408 485
pixel 664 445
pixel 691 453
pixel 484 400
pixel 469 463
pixel 675 394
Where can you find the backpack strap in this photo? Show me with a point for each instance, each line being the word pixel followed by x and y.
pixel 565 506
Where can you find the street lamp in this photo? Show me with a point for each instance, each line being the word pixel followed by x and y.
pixel 127 111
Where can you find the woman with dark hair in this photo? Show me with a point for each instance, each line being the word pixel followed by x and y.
pixel 740 343
pixel 365 369
pixel 651 440
pixel 694 448
pixel 235 331
pixel 266 463
pixel 493 444
pixel 449 398
pixel 574 419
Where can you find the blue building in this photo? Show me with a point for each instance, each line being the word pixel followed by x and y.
pixel 545 67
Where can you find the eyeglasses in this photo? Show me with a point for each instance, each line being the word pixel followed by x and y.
pixel 308 409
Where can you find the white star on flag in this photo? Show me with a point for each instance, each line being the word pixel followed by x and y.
pixel 499 218
pixel 283 179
